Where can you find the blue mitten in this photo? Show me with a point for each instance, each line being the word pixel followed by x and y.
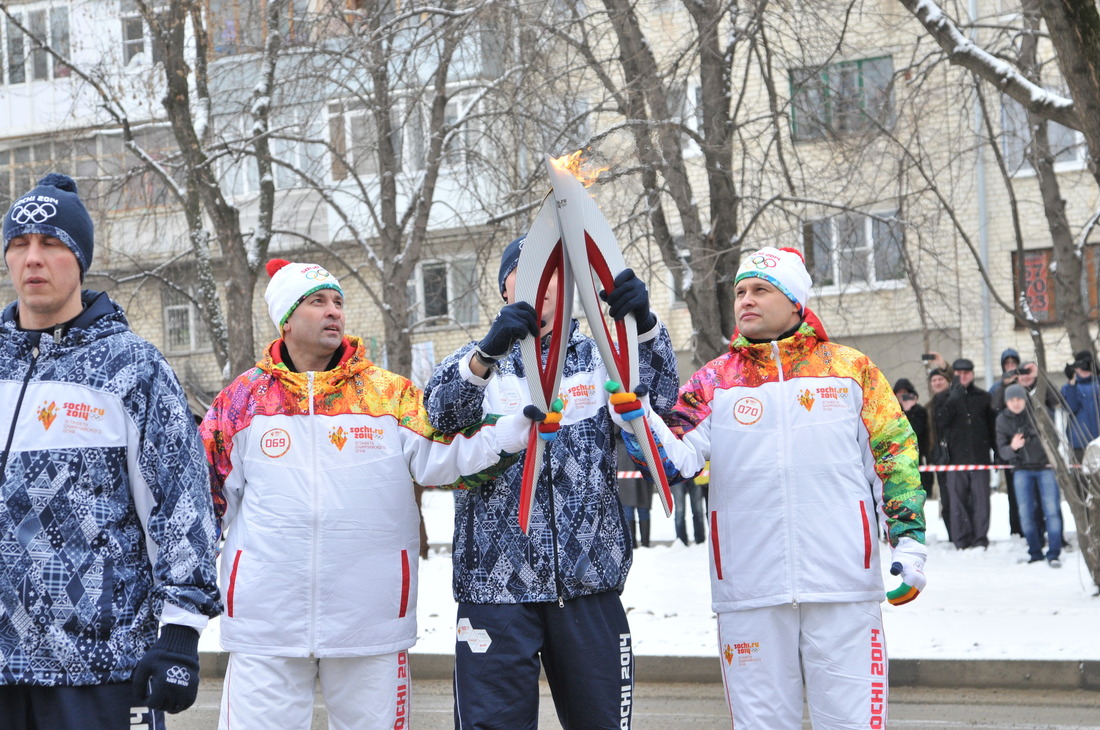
pixel 628 295
pixel 513 322
pixel 167 677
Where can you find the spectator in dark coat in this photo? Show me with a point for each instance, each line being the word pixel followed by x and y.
pixel 636 494
pixel 939 380
pixel 964 419
pixel 918 419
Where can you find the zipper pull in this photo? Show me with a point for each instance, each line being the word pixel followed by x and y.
pixel 561 602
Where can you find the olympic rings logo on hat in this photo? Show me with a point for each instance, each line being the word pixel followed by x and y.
pixel 764 262
pixel 317 274
pixel 32 212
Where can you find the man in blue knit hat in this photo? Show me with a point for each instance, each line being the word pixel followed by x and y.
pixel 106 521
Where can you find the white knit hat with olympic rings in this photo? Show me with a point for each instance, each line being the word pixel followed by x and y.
pixel 783 268
pixel 290 284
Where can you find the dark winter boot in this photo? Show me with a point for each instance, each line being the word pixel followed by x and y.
pixel 645 532
pixel 634 533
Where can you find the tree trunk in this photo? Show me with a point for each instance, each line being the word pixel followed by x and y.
pixel 1074 30
pixel 1079 489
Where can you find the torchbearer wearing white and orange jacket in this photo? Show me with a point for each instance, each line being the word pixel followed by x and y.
pixel 313 455
pixel 810 456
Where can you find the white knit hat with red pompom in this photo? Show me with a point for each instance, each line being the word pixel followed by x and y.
pixel 290 284
pixel 783 268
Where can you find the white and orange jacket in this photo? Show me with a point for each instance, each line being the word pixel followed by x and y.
pixel 808 450
pixel 312 476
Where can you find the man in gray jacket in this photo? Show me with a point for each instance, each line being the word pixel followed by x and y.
pixel 1018 443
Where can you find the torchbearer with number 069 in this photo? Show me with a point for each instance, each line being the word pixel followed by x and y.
pixel 545 583
pixel 810 458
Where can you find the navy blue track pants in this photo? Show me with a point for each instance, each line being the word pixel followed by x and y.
pixel 585 648
pixel 95 707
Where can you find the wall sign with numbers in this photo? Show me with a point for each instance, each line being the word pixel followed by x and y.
pixel 1039 283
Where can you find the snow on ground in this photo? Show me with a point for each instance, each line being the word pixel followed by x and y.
pixel 979 604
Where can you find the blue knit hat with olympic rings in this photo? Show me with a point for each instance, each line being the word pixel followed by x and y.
pixel 55 209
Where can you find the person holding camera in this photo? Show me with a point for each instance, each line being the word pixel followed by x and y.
pixel 1083 402
pixel 1018 443
pixel 918 418
pixel 1010 369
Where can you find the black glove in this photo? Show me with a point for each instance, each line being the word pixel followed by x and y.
pixel 956 391
pixel 513 322
pixel 629 296
pixel 167 677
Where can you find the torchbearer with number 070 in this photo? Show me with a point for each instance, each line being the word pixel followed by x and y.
pixel 811 460
pixel 549 592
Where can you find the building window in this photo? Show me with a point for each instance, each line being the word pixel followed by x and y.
pixel 1067 146
pixel 446 291
pixel 462 141
pixel 842 98
pixel 184 330
pixel 137 40
pixel 129 184
pixel 1039 288
pixel 852 248
pixel 21 167
pixel 26 56
pixel 353 134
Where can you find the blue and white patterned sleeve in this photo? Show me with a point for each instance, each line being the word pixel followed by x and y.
pixel 171 487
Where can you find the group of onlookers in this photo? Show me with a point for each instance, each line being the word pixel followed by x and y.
pixel 975 432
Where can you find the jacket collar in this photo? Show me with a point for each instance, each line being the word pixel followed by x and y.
pixel 100 317
pixel 797 345
pixel 353 362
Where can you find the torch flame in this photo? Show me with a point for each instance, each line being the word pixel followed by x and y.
pixel 575 164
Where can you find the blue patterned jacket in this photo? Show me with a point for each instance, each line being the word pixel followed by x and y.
pixel 585 548
pixel 106 522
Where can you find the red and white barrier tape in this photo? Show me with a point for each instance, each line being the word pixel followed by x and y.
pixel 935 467
pixel 963 467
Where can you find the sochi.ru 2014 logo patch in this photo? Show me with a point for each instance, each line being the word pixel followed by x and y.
pixel 748 410
pixel 806 399
pixel 47 413
pixel 338 437
pixel 275 443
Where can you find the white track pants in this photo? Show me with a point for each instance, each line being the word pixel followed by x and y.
pixel 361 693
pixel 838 648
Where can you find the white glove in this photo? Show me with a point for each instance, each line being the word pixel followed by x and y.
pixel 626 406
pixel 512 433
pixel 907 560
